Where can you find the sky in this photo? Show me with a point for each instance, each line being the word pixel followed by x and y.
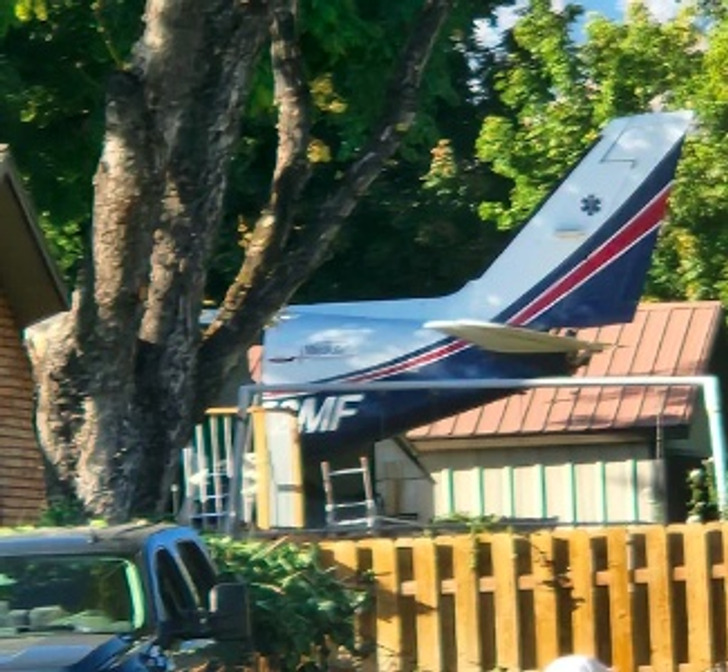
pixel 661 9
pixel 613 9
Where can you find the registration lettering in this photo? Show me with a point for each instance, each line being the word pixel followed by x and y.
pixel 323 416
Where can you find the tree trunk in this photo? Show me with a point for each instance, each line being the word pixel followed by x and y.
pixel 117 376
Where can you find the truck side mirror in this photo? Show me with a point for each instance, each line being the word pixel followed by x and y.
pixel 230 612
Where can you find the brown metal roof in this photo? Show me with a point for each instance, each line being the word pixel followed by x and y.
pixel 664 339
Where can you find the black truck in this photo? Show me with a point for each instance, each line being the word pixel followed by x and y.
pixel 119 599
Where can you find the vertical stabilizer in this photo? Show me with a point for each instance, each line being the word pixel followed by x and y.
pixel 581 260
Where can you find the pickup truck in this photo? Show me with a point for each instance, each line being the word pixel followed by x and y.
pixel 127 598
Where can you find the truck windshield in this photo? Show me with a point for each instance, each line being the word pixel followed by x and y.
pixel 95 594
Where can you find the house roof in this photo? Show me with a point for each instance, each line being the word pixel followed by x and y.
pixel 666 339
pixel 28 275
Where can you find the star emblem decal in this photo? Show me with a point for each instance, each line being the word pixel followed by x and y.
pixel 591 205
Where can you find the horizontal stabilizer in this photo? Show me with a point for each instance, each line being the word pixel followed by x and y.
pixel 514 340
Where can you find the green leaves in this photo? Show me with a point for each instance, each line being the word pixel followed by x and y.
pixel 414 205
pixel 55 57
pixel 300 611
pixel 556 94
pixel 27 10
pixel 546 120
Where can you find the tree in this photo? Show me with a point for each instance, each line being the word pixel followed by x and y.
pixel 123 374
pixel 556 93
pixel 53 66
pixel 696 250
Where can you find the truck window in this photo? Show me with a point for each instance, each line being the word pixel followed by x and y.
pixel 76 593
pixel 199 569
pixel 173 589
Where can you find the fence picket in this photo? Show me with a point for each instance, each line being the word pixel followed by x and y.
pixel 582 592
pixel 545 602
pixel 620 600
pixel 723 567
pixel 427 597
pixel 389 624
pixel 659 582
pixel 507 636
pixel 698 597
pixel 467 605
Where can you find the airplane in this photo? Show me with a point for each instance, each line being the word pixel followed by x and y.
pixel 579 261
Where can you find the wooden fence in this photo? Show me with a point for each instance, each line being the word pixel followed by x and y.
pixel 643 598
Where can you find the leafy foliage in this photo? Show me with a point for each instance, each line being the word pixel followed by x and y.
pixel 700 202
pixel 546 120
pixel 301 612
pixel 62 512
pixel 406 236
pixel 703 501
pixel 54 60
pixel 556 94
pixel 55 57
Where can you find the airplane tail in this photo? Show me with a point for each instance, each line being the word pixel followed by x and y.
pixel 581 260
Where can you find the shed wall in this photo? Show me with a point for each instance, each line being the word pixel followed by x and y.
pixel 584 484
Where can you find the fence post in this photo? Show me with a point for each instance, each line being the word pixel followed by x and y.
pixel 620 600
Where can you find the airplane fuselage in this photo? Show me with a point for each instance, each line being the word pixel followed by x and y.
pixel 383 350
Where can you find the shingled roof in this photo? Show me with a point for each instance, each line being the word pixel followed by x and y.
pixel 664 339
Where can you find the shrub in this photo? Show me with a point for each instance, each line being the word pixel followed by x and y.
pixel 703 502
pixel 300 611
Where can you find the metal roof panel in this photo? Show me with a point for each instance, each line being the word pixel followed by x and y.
pixel 663 339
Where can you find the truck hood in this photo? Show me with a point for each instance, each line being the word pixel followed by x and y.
pixel 58 653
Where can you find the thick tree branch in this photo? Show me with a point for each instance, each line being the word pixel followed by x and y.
pixel 294 122
pixel 110 302
pixel 285 269
pixel 197 96
pixel 292 170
